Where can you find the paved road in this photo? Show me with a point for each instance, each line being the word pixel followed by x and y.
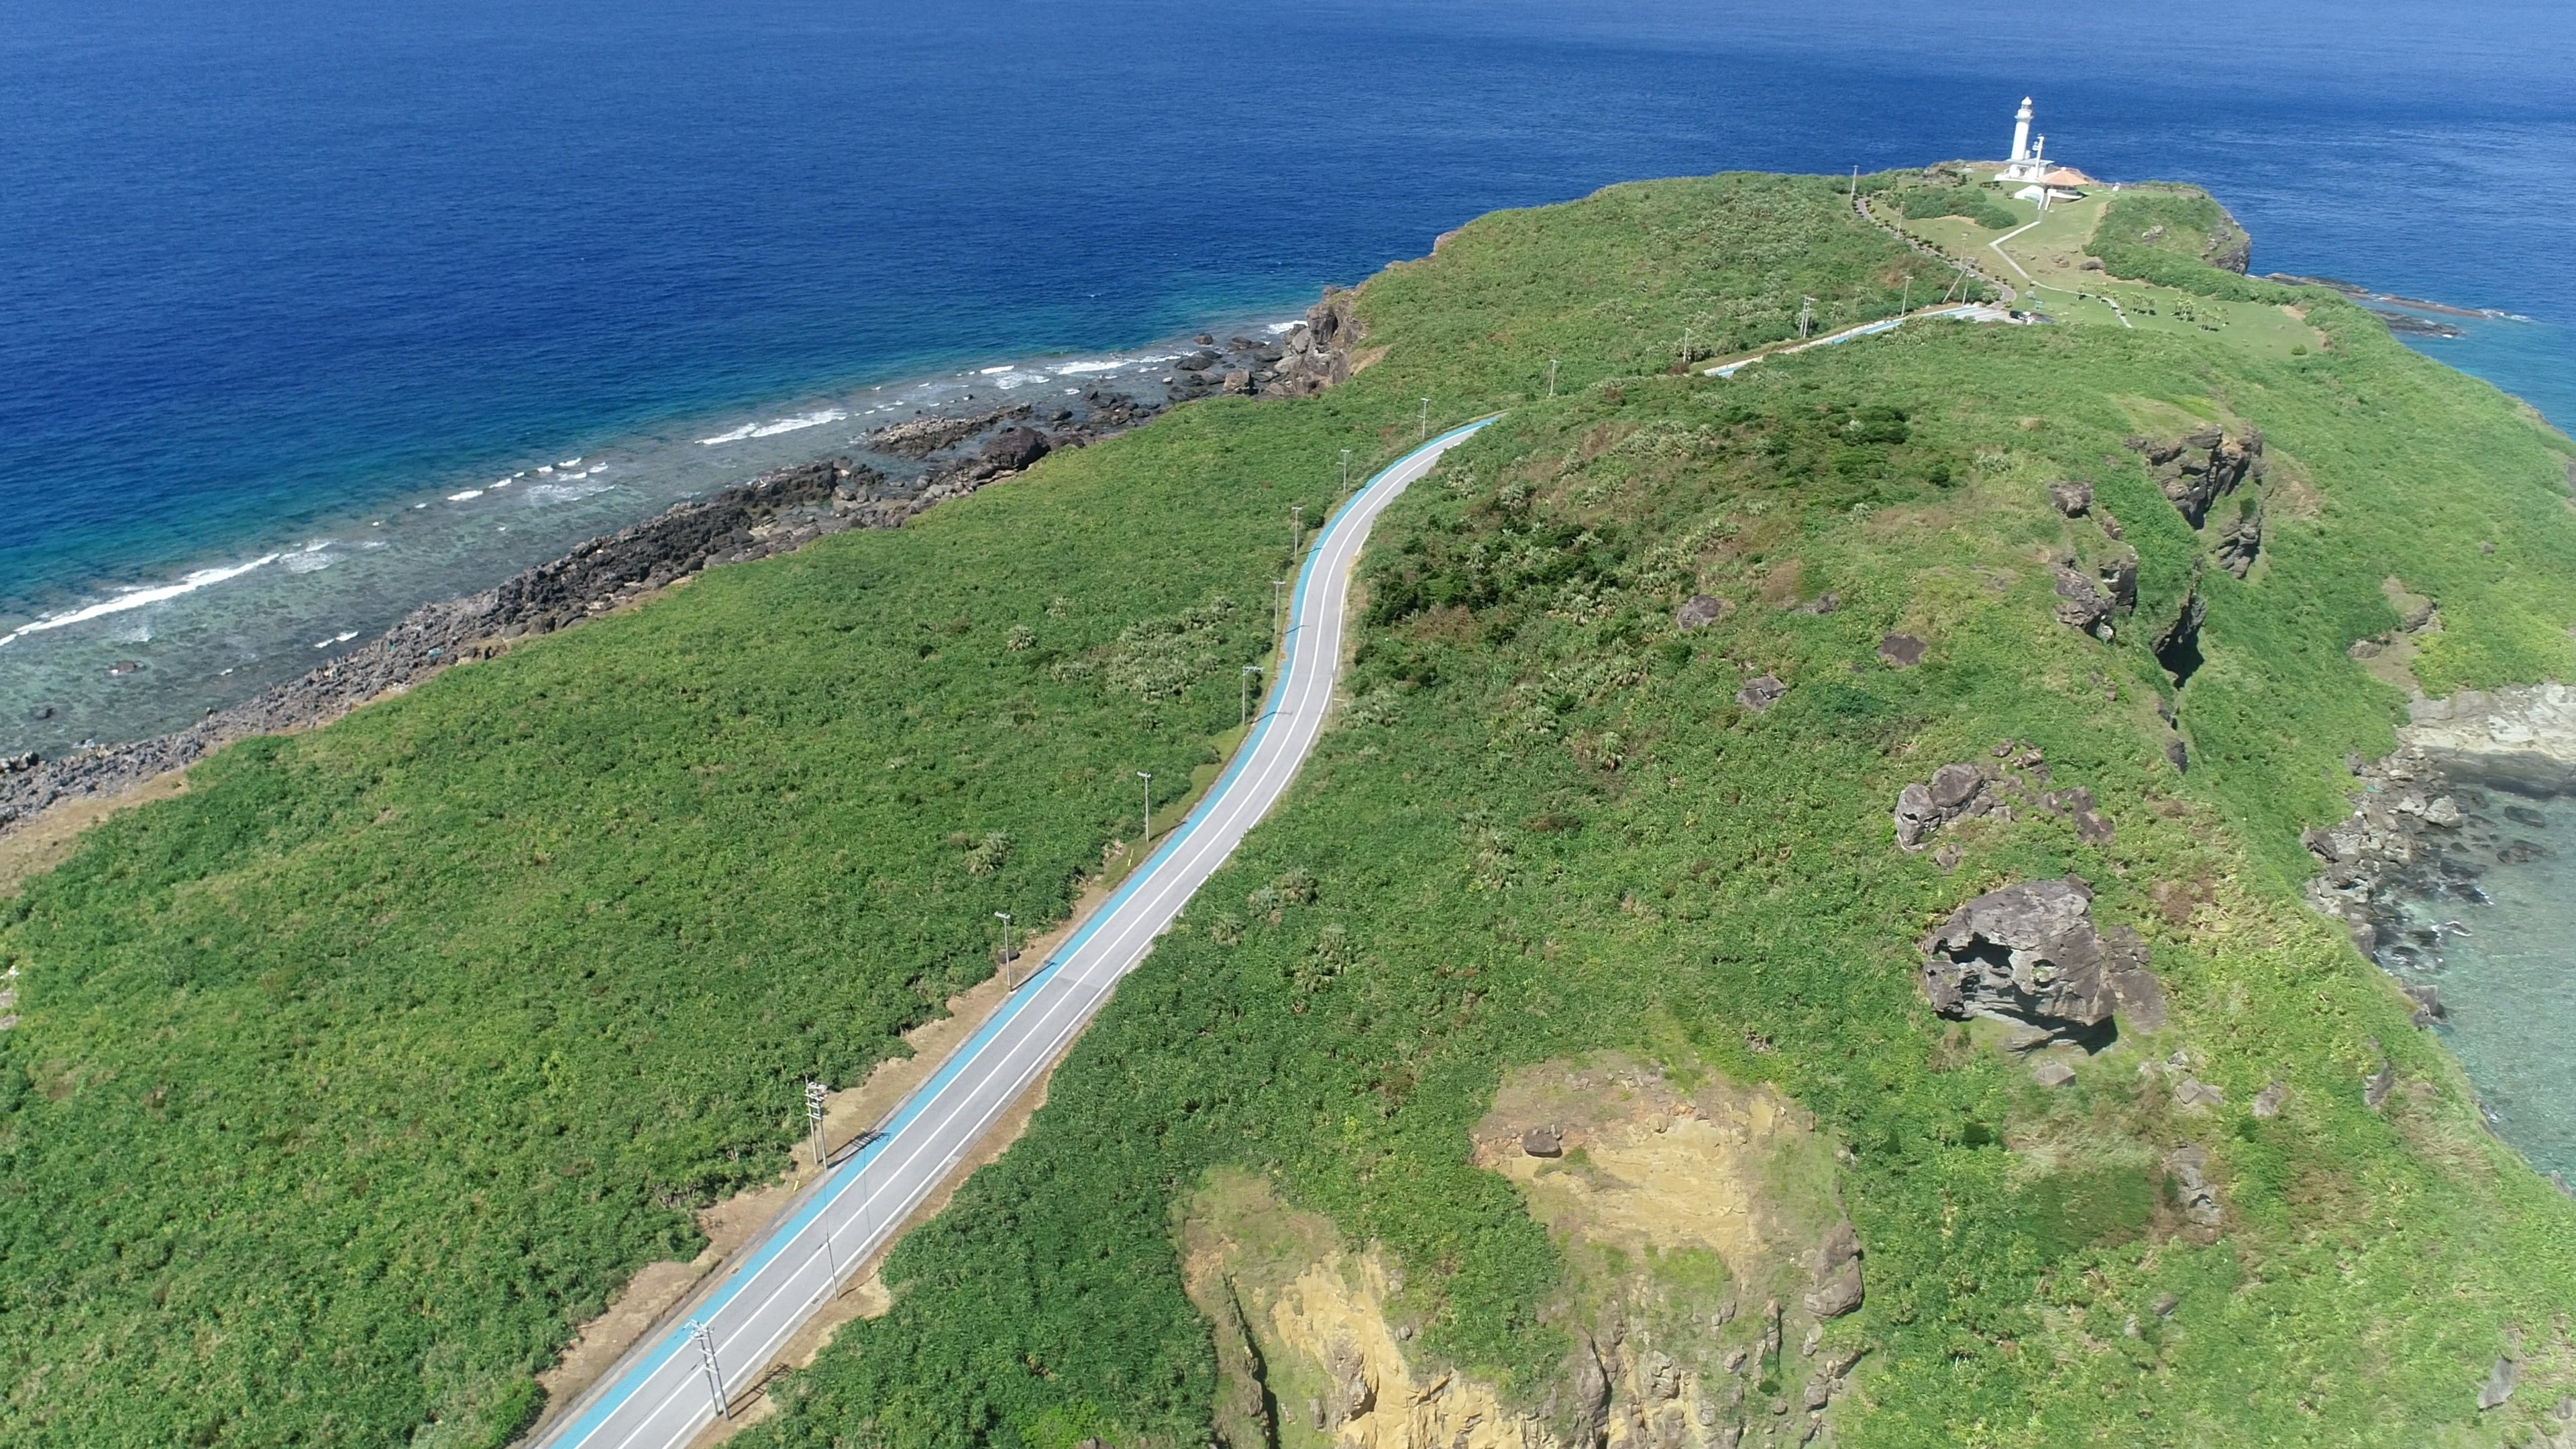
pixel 664 1391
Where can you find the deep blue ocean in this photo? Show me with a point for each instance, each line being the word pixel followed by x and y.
pixel 312 310
pixel 279 270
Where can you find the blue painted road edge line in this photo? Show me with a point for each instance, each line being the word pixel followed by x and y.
pixel 848 1173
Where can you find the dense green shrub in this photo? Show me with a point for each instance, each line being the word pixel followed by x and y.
pixel 1976 203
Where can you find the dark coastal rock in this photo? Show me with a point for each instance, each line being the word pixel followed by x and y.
pixel 1760 693
pixel 920 437
pixel 1315 354
pixel 1014 449
pixel 1543 1142
pixel 2072 499
pixel 1699 611
pixel 1904 651
pixel 2029 952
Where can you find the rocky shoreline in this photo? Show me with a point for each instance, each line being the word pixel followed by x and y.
pixel 926 460
pixel 2427 822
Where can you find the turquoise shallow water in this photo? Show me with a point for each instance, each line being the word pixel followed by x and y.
pixel 2499 953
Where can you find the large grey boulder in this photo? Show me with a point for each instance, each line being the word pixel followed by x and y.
pixel 2029 952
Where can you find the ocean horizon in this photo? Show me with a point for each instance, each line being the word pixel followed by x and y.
pixel 322 314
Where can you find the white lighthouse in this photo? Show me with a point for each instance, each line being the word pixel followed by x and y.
pixel 2021 133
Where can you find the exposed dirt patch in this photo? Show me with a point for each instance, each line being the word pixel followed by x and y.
pixel 1735 1170
pixel 1700 1225
pixel 48 840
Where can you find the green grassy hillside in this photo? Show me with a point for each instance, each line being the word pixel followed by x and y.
pixel 350 1081
pixel 1547 826
pixel 354 1077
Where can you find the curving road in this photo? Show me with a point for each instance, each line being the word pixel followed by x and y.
pixel 665 1389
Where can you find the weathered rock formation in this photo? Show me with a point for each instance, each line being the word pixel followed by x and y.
pixel 1316 354
pixel 1761 692
pixel 2203 467
pixel 1701 610
pixel 2241 541
pixel 2029 952
pixel 1960 791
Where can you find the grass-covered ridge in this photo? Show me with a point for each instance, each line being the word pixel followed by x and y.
pixel 348 1082
pixel 352 1078
pixel 1548 827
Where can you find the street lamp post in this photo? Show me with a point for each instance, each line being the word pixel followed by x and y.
pixel 1278 606
pixel 1005 918
pixel 1296 528
pixel 1249 670
pixel 1551 377
pixel 715 1378
pixel 1148 778
pixel 1426 418
pixel 1346 470
pixel 814 1094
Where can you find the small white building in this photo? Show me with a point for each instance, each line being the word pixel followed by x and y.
pixel 2041 182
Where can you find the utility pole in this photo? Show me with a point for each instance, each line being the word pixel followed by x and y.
pixel 1278 605
pixel 1296 528
pixel 1005 918
pixel 1806 315
pixel 707 1357
pixel 1426 419
pixel 814 1093
pixel 1148 778
pixel 1346 470
pixel 1249 670
pixel 1855 196
pixel 1907 305
pixel 1551 377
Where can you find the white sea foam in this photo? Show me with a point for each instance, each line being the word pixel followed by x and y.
pixel 569 463
pixel 1278 327
pixel 1110 364
pixel 774 428
pixel 137 598
pixel 544 493
pixel 544 468
pixel 340 638
pixel 992 371
pixel 467 496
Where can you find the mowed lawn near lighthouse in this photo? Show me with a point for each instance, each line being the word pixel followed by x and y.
pixel 349 1082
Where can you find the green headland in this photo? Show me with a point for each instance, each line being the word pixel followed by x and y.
pixel 1557 1064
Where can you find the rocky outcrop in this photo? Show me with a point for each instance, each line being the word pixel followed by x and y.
pixel 2071 499
pixel 2241 541
pixel 2199 469
pixel 1761 692
pixel 2029 953
pixel 1961 791
pixel 2231 247
pixel 2081 605
pixel 1316 354
pixel 918 438
pixel 1701 610
pixel 1837 1288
